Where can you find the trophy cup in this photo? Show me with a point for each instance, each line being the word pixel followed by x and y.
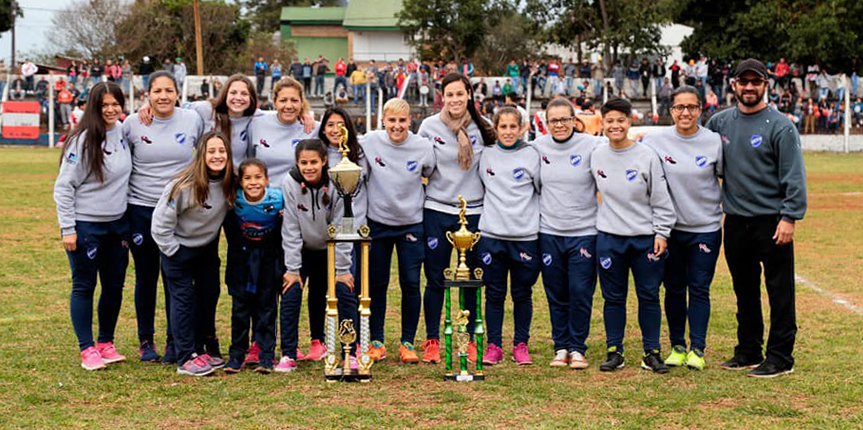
pixel 346 176
pixel 463 240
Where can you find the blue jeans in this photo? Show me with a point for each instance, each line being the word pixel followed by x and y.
pixel 519 260
pixel 101 250
pixel 690 266
pixel 192 280
pixel 146 81
pixel 340 80
pixel 359 93
pixel 319 85
pixel 437 258
pixel 409 242
pixel 146 256
pixel 569 277
pixel 617 255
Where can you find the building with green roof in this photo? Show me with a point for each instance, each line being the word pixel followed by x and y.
pixel 364 30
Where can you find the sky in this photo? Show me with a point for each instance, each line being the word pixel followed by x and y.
pixel 31 31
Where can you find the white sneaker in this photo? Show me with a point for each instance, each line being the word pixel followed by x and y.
pixel 577 360
pixel 560 358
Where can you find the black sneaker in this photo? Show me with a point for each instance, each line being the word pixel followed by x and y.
pixel 739 362
pixel 170 356
pixel 264 367
pixel 652 361
pixel 768 369
pixel 613 360
pixel 233 366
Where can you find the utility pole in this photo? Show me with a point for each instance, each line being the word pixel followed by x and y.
pixel 199 50
pixel 14 12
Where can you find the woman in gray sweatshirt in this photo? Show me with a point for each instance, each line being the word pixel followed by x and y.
pixel 459 134
pixel 90 193
pixel 159 152
pixel 634 221
pixel 186 225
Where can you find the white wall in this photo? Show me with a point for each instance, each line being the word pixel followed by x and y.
pixel 380 46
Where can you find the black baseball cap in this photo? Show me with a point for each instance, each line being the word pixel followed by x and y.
pixel 751 65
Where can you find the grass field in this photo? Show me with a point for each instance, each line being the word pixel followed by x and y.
pixel 42 385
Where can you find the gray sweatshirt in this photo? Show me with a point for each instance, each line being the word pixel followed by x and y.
pixel 448 180
pixel 274 142
pixel 239 130
pixel 693 165
pixel 360 202
pixel 567 204
pixel 635 199
pixel 159 152
pixel 305 222
pixel 763 169
pixel 395 177
pixel 512 181
pixel 182 221
pixel 77 192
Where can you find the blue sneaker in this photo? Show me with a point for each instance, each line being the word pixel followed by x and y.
pixel 195 367
pixel 147 352
pixel 170 356
pixel 233 366
pixel 264 367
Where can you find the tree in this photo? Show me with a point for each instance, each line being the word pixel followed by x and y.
pixel 162 29
pixel 87 26
pixel 621 28
pixel 450 29
pixel 8 14
pixel 511 40
pixel 824 32
pixel 265 15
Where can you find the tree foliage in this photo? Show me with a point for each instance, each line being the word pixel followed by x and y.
pixel 621 29
pixel 450 29
pixel 164 29
pixel 6 15
pixel 87 26
pixel 510 40
pixel 827 32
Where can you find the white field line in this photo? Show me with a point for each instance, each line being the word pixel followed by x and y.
pixel 835 298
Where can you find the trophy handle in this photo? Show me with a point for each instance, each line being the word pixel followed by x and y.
pixel 450 238
pixel 476 238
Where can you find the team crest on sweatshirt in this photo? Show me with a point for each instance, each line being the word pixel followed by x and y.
pixel 473 139
pixel 700 161
pixel 180 138
pixel 631 174
pixel 412 166
pixel 244 136
pixel 756 140
pixel 294 142
pixel 575 160
pixel 72 158
pixel 518 173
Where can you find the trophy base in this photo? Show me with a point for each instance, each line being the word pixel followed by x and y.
pixel 353 375
pixel 470 377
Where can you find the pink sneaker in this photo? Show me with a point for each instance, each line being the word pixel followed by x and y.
pixel 316 352
pixel 109 353
pixel 493 355
pixel 353 363
pixel 214 362
pixel 286 364
pixel 253 357
pixel 91 360
pixel 520 355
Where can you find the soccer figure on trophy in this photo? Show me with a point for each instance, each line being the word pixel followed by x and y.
pixel 346 176
pixel 459 278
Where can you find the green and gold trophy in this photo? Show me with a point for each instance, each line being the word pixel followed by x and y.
pixel 346 176
pixel 463 240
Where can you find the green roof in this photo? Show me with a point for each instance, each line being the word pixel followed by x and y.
pixel 309 15
pixel 372 14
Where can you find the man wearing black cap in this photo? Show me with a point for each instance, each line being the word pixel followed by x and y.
pixel 764 193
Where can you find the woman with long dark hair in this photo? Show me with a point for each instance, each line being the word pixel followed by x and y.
pixel 90 193
pixel 159 152
pixel 459 134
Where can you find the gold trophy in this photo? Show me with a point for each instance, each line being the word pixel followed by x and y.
pixel 463 240
pixel 347 176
